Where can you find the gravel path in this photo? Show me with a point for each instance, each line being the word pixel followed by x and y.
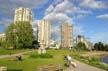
pixel 5 56
pixel 84 67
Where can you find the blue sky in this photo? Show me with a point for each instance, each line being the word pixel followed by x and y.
pixel 88 17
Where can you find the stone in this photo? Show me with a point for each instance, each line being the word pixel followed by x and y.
pixel 41 51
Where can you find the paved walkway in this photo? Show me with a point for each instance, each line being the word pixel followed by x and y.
pixel 83 67
pixel 5 56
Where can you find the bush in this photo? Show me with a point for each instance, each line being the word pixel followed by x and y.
pixel 66 65
pixel 94 59
pixel 41 56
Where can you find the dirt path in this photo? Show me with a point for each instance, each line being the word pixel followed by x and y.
pixel 5 56
pixel 83 67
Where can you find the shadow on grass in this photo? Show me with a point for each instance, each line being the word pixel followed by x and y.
pixel 14 70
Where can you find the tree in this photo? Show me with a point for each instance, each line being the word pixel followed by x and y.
pixel 81 46
pixel 96 46
pixel 10 36
pixel 106 47
pixel 36 44
pixel 100 46
pixel 20 35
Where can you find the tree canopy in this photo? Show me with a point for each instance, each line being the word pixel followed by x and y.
pixel 100 46
pixel 81 46
pixel 19 35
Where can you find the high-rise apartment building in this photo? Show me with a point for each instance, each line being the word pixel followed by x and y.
pixel 67 35
pixel 44 32
pixel 23 14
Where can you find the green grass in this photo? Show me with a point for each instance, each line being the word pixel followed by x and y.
pixel 31 64
pixel 41 55
pixel 7 51
pixel 31 61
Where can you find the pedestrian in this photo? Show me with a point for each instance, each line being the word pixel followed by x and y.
pixel 71 61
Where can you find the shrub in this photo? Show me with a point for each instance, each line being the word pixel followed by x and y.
pixel 94 59
pixel 41 56
pixel 66 65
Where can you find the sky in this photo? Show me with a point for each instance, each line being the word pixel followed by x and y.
pixel 88 17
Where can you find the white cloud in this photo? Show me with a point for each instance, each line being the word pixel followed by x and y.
pixel 55 33
pixel 57 19
pixel 49 9
pixel 104 16
pixel 57 2
pixel 7 7
pixel 78 30
pixel 34 24
pixel 55 30
pixel 34 29
pixel 58 14
pixel 66 7
pixel 80 16
pixel 92 4
pixel 62 9
pixel 5 21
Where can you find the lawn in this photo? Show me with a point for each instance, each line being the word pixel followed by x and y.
pixel 7 51
pixel 31 64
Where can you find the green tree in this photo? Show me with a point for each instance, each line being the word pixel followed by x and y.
pixel 96 46
pixel 36 44
pixel 81 46
pixel 106 47
pixel 10 36
pixel 20 35
pixel 99 46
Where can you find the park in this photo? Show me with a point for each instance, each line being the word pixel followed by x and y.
pixel 32 61
pixel 59 35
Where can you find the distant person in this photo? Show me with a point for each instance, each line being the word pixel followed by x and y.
pixel 71 61
pixel 18 58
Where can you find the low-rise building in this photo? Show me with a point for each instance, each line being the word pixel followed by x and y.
pixel 82 39
pixel 54 45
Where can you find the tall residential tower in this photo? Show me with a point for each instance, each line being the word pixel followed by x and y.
pixel 67 35
pixel 23 14
pixel 44 32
